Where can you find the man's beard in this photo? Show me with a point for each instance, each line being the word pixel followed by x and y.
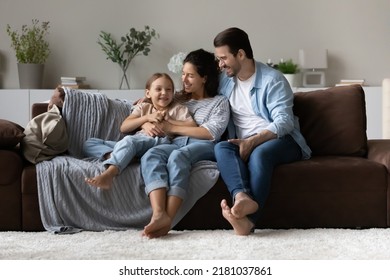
pixel 231 72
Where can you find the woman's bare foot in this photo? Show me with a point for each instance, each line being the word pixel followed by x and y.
pixel 159 225
pixel 243 206
pixel 241 226
pixel 104 180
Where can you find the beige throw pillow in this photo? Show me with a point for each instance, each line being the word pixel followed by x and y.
pixel 46 136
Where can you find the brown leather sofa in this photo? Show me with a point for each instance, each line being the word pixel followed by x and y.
pixel 344 185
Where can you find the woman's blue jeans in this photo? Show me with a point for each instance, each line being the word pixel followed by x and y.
pixel 169 166
pixel 254 177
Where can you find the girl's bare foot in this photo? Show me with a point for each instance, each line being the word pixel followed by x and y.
pixel 104 180
pixel 241 226
pixel 101 181
pixel 243 206
pixel 159 225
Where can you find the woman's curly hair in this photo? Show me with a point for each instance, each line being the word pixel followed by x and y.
pixel 207 66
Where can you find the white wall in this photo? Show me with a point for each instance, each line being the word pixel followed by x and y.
pixel 355 32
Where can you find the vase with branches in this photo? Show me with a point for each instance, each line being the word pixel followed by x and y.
pixel 133 43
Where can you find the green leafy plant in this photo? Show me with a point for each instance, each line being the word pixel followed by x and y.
pixel 30 44
pixel 288 67
pixel 132 44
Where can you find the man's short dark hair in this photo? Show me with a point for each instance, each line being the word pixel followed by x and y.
pixel 235 39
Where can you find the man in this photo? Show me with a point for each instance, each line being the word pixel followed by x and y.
pixel 263 131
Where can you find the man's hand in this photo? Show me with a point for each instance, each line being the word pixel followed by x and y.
pixel 245 147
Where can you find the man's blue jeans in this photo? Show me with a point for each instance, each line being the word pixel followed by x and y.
pixel 254 177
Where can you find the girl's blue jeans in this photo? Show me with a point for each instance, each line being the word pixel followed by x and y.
pixel 121 152
pixel 254 176
pixel 169 166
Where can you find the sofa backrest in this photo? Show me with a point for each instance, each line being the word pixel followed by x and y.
pixel 38 108
pixel 333 121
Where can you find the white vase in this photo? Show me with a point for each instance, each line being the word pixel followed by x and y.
pixel 292 79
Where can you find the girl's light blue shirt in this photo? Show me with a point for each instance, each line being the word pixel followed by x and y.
pixel 272 99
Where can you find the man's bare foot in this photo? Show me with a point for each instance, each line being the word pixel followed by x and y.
pixel 241 226
pixel 159 225
pixel 243 206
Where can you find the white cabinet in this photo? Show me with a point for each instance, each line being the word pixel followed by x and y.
pixel 131 95
pixel 40 95
pixel 373 97
pixel 15 104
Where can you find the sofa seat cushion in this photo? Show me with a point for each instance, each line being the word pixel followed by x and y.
pixel 29 180
pixel 333 121
pixel 332 192
pixel 331 174
pixel 11 166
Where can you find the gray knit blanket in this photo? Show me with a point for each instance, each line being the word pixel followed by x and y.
pixel 68 205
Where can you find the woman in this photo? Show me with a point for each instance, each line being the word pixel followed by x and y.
pixel 166 168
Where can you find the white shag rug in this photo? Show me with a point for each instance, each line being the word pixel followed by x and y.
pixel 293 244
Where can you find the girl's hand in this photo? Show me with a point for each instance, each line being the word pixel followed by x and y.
pixel 156 117
pixel 153 129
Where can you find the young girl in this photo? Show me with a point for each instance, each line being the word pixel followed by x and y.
pixel 158 107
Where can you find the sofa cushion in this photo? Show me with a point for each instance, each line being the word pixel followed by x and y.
pixel 10 134
pixel 333 121
pixel 329 191
pixel 46 136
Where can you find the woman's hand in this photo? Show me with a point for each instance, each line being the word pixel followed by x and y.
pixel 166 126
pixel 153 129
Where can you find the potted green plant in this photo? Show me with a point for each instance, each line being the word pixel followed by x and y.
pixel 290 70
pixel 32 50
pixel 288 67
pixel 132 44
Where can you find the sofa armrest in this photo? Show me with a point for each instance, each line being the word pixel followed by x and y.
pixel 38 108
pixel 379 151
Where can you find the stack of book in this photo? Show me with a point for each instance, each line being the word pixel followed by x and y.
pixel 350 82
pixel 74 82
